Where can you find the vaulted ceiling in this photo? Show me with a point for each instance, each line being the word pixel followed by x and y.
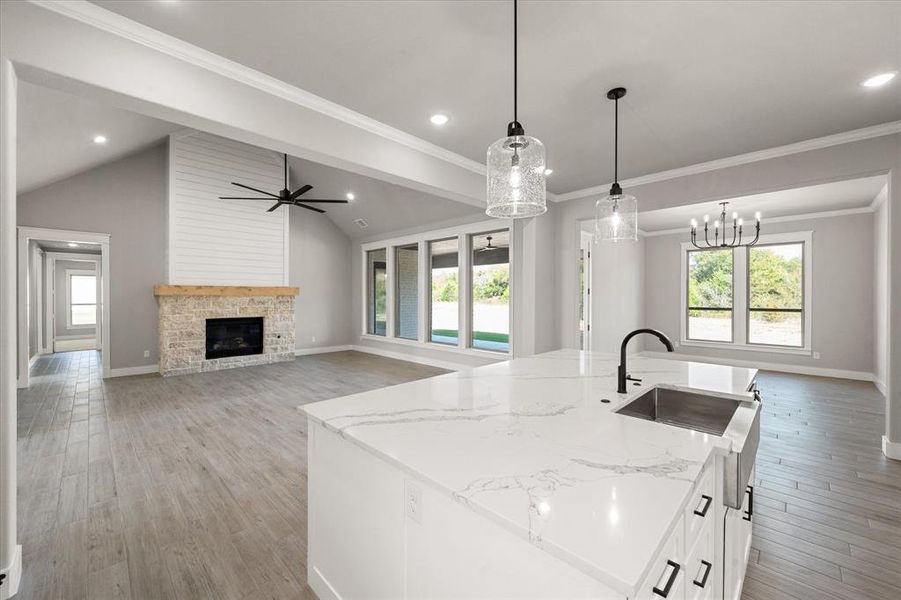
pixel 706 80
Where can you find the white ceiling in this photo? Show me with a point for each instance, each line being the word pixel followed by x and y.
pixel 385 207
pixel 826 197
pixel 56 131
pixel 706 80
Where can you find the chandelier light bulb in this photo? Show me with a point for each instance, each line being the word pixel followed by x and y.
pixel 734 216
pixel 515 176
pixel 716 224
pixel 694 223
pixel 706 218
pixel 757 216
pixel 741 222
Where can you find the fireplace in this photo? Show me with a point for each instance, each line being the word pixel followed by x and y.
pixel 234 337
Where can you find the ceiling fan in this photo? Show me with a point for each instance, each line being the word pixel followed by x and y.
pixel 489 247
pixel 285 196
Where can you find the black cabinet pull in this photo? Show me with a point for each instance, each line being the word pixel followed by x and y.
pixel 703 581
pixel 750 511
pixel 669 582
pixel 703 511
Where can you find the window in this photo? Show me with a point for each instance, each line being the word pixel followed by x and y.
pixel 444 284
pixel 406 292
pixel 82 295
pixel 491 291
pixel 749 298
pixel 776 295
pixel 710 295
pixel 376 294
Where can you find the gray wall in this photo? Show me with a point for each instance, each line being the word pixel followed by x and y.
pixel 617 295
pixel 60 308
pixel 842 302
pixel 124 198
pixel 319 265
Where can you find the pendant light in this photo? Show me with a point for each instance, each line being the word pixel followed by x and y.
pixel 616 214
pixel 516 164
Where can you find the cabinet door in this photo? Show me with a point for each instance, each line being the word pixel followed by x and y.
pixel 737 545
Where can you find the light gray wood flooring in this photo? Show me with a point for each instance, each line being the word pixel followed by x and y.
pixel 195 486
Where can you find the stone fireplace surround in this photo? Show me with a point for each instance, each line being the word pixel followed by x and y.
pixel 184 309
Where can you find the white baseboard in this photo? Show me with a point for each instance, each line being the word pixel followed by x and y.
pixel 754 364
pixel 128 371
pixel 320 585
pixel 423 360
pixel 891 449
pixel 33 360
pixel 13 575
pixel 321 350
pixel 80 336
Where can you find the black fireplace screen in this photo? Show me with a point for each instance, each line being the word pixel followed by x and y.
pixel 234 337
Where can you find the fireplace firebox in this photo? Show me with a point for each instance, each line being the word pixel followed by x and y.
pixel 234 337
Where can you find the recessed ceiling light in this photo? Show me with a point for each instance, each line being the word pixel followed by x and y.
pixel 350 196
pixel 879 80
pixel 439 119
pixel 72 245
pixel 99 139
pixel 548 171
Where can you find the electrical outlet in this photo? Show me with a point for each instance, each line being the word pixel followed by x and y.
pixel 816 356
pixel 146 353
pixel 413 501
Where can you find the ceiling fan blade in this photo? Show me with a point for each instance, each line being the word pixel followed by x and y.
pixel 329 201
pixel 247 187
pixel 301 190
pixel 243 198
pixel 313 208
pixel 274 206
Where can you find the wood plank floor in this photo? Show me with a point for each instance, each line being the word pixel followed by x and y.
pixel 827 504
pixel 189 487
pixel 195 487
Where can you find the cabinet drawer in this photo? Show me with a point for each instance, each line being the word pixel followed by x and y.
pixel 700 509
pixel 700 566
pixel 667 575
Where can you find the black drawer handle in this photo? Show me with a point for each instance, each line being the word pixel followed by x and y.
pixel 750 511
pixel 669 582
pixel 707 500
pixel 703 581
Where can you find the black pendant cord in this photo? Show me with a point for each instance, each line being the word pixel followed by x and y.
pixel 286 171
pixel 616 141
pixel 515 63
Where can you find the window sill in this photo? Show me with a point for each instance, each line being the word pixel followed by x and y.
pixel 746 347
pixel 499 356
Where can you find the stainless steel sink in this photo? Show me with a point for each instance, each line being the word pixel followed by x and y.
pixel 707 414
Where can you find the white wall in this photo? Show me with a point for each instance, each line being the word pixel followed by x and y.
pixel 617 295
pixel 842 295
pixel 224 242
pixel 880 291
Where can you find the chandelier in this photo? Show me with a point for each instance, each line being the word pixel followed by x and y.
pixel 737 225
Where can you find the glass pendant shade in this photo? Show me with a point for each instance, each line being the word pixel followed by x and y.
pixel 616 219
pixel 516 179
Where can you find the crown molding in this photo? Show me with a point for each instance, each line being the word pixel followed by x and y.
pixel 837 139
pixel 101 18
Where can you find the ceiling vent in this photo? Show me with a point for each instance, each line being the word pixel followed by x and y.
pixel 361 223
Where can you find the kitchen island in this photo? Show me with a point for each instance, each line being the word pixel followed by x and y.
pixel 520 479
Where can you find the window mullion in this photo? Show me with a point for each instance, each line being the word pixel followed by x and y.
pixel 740 296
pixel 464 295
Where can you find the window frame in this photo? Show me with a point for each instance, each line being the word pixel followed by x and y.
pixel 741 297
pixel 397 281
pixel 369 285
pixel 472 303
pixel 462 233
pixel 686 316
pixel 804 311
pixel 459 291
pixel 79 273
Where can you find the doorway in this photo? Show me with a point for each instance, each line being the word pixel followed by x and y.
pixel 63 295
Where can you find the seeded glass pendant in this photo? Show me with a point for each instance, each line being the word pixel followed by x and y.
pixel 616 214
pixel 516 164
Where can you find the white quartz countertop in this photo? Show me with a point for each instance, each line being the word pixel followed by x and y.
pixel 529 444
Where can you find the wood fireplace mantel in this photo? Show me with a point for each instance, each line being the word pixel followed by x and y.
pixel 223 290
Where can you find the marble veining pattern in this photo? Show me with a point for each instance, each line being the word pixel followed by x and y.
pixel 529 444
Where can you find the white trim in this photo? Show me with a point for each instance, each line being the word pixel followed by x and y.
pixel 891 449
pixel 129 371
pixel 320 585
pixel 33 359
pixel 60 338
pixel 855 135
pixel 439 234
pixel 765 366
pixel 880 385
pixel 13 574
pixel 116 24
pixel 432 362
pixel 37 270
pixel 784 219
pixel 321 350
pixel 740 297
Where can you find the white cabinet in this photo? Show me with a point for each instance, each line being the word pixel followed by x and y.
pixel 737 543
